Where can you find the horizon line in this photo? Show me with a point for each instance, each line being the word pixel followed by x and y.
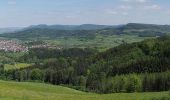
pixel 24 26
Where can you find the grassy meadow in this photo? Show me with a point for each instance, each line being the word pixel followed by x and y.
pixel 16 66
pixel 40 91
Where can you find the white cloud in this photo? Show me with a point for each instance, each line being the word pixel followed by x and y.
pixel 138 1
pixel 125 7
pixel 70 16
pixel 168 12
pixel 124 13
pixel 112 12
pixel 142 1
pixel 152 7
pixel 12 2
pixel 116 12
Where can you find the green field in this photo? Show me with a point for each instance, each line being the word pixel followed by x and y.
pixel 101 42
pixel 16 66
pixel 39 91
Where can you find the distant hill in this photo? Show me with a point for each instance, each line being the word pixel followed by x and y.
pixel 34 33
pixel 71 27
pixel 147 29
pixel 143 30
pixel 89 30
pixel 9 30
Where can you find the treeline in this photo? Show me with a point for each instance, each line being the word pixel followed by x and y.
pixel 99 82
pixel 136 67
pixel 129 83
pixel 36 54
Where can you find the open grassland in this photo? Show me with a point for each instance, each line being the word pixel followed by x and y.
pixel 39 91
pixel 16 66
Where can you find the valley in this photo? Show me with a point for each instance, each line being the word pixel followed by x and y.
pixel 84 50
pixel 98 62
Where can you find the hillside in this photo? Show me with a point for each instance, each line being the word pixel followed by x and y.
pixel 84 50
pixel 128 56
pixel 72 27
pixel 101 37
pixel 135 67
pixel 88 31
pixel 55 31
pixel 39 91
pixel 40 33
pixel 142 30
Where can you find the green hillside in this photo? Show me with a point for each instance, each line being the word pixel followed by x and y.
pixel 38 91
pixel 100 37
pixel 128 68
pixel 87 31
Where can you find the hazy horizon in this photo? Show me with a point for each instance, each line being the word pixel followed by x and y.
pixel 23 13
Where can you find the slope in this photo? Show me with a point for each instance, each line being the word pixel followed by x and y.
pixel 88 30
pixel 38 91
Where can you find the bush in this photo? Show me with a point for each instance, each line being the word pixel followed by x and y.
pixel 36 74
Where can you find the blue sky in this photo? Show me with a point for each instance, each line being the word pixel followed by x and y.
pixel 19 13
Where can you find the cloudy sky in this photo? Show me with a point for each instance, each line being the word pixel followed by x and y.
pixel 18 13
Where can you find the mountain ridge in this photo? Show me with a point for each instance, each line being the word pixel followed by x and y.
pixel 86 30
pixel 72 27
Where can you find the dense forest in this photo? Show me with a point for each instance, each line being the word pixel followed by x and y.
pixel 136 67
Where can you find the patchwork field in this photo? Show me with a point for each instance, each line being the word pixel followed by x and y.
pixel 39 91
pixel 101 42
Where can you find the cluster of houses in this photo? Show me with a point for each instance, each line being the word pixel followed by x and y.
pixel 13 46
pixel 10 45
pixel 42 46
pixel 46 46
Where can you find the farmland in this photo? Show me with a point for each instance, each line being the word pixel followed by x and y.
pixel 101 42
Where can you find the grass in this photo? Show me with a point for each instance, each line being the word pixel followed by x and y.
pixel 16 66
pixel 40 91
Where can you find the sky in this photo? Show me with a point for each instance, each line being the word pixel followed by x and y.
pixel 22 13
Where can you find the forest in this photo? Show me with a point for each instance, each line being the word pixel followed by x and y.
pixel 130 67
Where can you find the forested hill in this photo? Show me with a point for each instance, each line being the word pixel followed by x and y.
pixel 152 55
pixel 136 67
pixel 88 30
pixel 35 33
pixel 143 30
pixel 9 30
pixel 72 27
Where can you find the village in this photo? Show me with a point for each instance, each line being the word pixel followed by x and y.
pixel 14 46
